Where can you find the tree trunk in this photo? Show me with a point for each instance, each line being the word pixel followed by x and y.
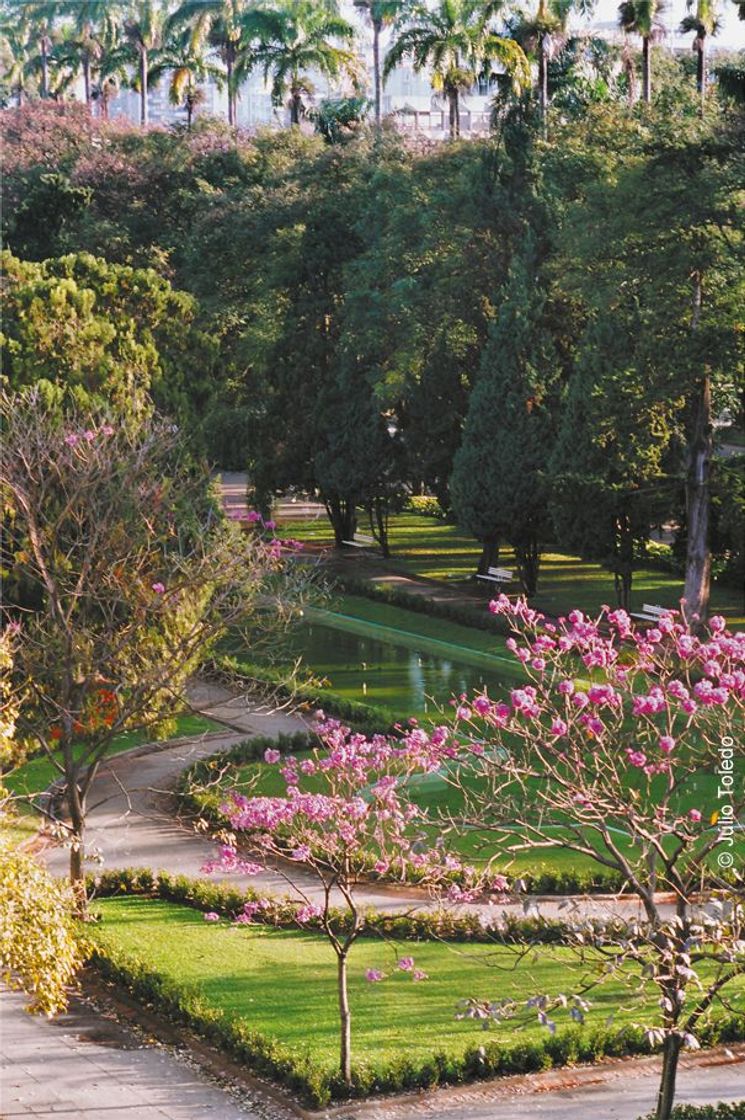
pixel 295 110
pixel 624 569
pixel 454 114
pixel 143 87
pixel 543 78
pixel 378 514
pixel 189 113
pixel 231 107
pixel 666 1093
pixel 528 557
pixel 698 499
pixel 646 70
pixel 345 1022
pixel 342 515
pixel 44 68
pixel 76 809
pixel 489 555
pixel 377 80
pixel 87 79
pixel 701 69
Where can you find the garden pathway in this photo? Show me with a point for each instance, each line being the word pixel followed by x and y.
pixel 131 821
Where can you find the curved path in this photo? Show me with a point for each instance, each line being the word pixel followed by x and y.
pixel 131 822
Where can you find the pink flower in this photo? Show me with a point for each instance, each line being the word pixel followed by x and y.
pixel 666 744
pixel 107 430
pixel 252 516
pixel 270 525
pixel 406 964
pixel 694 815
pixel 71 440
pixel 637 758
pixel 159 588
pixel 419 974
pixel 89 435
pixel 271 756
pixel 374 975
pixel 566 688
pixel 211 916
pixel 558 727
pixel 307 913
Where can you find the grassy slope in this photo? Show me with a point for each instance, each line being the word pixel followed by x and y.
pixel 38 774
pixel 423 546
pixel 283 982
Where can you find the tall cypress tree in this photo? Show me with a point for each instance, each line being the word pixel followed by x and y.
pixel 498 486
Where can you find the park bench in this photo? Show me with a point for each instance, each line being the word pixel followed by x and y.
pixel 361 541
pixel 497 575
pixel 650 613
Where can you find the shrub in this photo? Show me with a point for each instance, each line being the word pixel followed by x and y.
pixel 721 1111
pixel 475 616
pixel 427 505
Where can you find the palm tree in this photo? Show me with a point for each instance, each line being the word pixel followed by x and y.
pixel 144 32
pixel 704 22
pixel 455 42
pixel 296 39
pixel 219 24
pixel 92 22
pixel 381 13
pixel 642 17
pixel 16 55
pixel 544 35
pixel 39 16
pixel 186 65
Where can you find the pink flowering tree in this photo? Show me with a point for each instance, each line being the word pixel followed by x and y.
pixel 604 752
pixel 120 574
pixel 346 804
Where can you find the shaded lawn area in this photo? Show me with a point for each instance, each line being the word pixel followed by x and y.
pixel 439 797
pixel 282 983
pixel 38 774
pixel 424 546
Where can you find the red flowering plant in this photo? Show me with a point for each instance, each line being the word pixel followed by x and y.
pixel 347 801
pixel 619 748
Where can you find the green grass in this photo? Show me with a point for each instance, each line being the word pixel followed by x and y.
pixel 38 774
pixel 282 983
pixel 424 546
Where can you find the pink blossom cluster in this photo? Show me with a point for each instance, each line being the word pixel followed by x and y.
pixel 405 964
pixel 73 439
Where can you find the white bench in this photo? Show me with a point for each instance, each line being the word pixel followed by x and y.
pixel 496 575
pixel 361 541
pixel 650 613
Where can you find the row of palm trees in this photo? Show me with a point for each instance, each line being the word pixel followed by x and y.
pixel 108 43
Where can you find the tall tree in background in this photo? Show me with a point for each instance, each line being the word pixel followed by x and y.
pixel 381 14
pixel 454 41
pixel 92 22
pixel 185 64
pixel 544 34
pixel 498 486
pixel 297 39
pixel 144 29
pixel 704 22
pixel 220 25
pixel 38 18
pixel 642 18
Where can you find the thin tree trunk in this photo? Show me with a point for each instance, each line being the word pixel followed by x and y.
pixel 295 110
pixel 77 849
pixel 231 107
pixel 345 1022
pixel 189 112
pixel 543 78
pixel 44 68
pixel 87 79
pixel 376 74
pixel 454 114
pixel 701 69
pixel 489 555
pixel 666 1093
pixel 698 498
pixel 646 70
pixel 528 557
pixel 342 515
pixel 143 87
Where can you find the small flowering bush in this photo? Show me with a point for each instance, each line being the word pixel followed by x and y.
pixel 349 798
pixel 600 752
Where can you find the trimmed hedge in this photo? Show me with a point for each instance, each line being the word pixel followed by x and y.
pixel 475 617
pixel 427 505
pixel 205 896
pixel 721 1111
pixel 317 1086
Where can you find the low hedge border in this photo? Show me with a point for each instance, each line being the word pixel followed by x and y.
pixel 473 617
pixel 206 896
pixel 317 1087
pixel 721 1111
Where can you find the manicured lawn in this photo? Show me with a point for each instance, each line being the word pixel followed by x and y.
pixel 38 774
pixel 423 546
pixel 283 982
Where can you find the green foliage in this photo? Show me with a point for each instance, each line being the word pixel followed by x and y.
pixel 735 1111
pixel 39 948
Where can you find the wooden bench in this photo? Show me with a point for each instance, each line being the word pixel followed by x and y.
pixel 496 575
pixel 650 613
pixel 361 541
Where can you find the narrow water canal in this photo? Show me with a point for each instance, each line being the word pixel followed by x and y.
pixel 399 671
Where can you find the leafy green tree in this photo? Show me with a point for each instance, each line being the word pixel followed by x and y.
pixel 100 330
pixel 642 18
pixel 544 35
pixel 499 488
pixel 185 64
pixel 299 38
pixel 35 19
pixel 339 118
pixel 454 42
pixel 16 54
pixel 93 23
pixel 144 30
